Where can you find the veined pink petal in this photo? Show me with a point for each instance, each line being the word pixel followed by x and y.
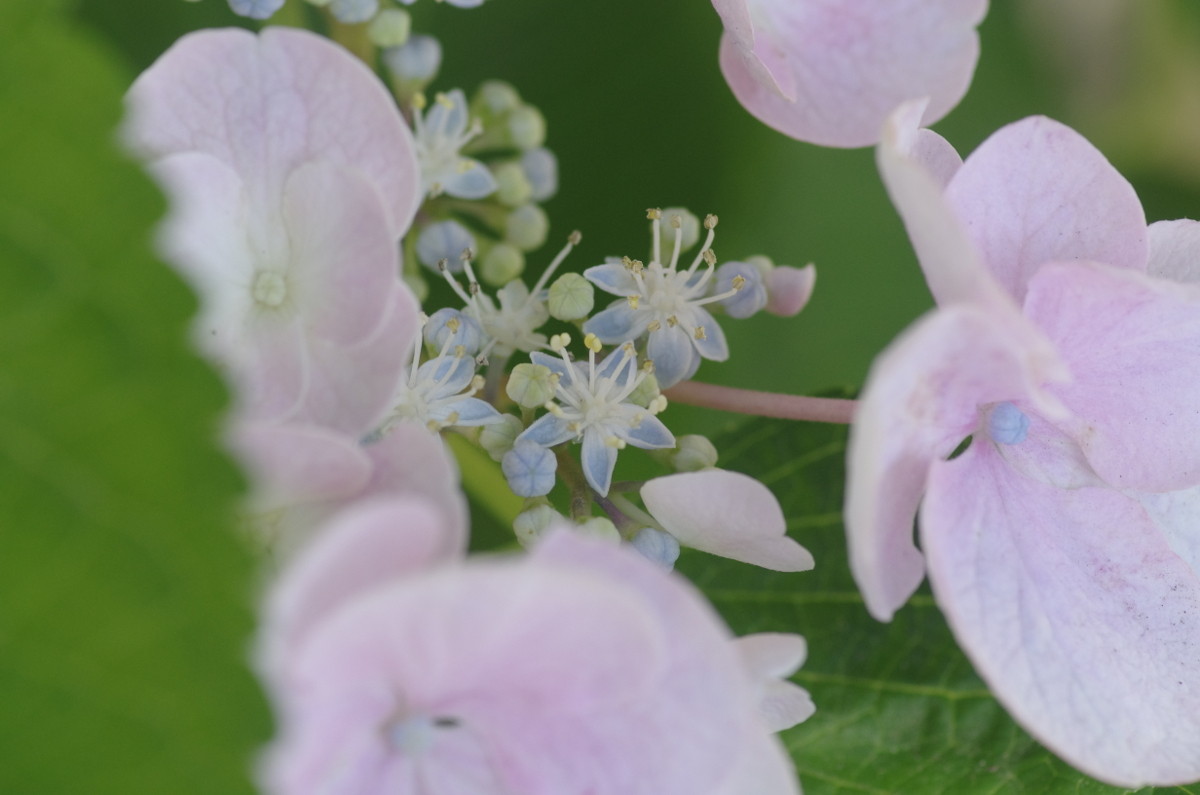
pixel 1036 191
pixel 1175 250
pixel 1133 345
pixel 728 514
pixel 830 71
pixel 269 103
pixel 921 399
pixel 1077 612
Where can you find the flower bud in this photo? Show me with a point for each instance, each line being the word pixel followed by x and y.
pixel 351 12
pixel 497 437
pixel 531 385
pixel 571 297
pixel 529 469
pixel 390 28
pixel 790 288
pixel 444 240
pixel 646 392
pixel 454 328
pixel 751 295
pixel 496 98
pixel 658 547
pixel 501 264
pixel 689 227
pixel 526 227
pixel 600 527
pixel 531 523
pixel 527 127
pixel 413 65
pixel 513 188
pixel 693 453
pixel 255 9
pixel 541 169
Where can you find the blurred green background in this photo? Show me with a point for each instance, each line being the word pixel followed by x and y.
pixel 640 116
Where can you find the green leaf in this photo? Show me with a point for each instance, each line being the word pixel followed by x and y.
pixel 124 594
pixel 899 707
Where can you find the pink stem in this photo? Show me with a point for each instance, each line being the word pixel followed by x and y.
pixel 764 404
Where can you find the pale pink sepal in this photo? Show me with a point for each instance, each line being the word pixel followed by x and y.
pixel 789 289
pixel 921 399
pixel 1133 345
pixel 1176 514
pixel 1175 250
pixel 298 464
pixel 727 514
pixel 830 72
pixel 771 658
pixel 364 547
pixel 267 104
pixel 1076 611
pixel 1036 191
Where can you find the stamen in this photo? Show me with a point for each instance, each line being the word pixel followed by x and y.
pixel 573 240
pixel 677 223
pixel 658 405
pixel 699 333
pixel 656 250
pixel 615 441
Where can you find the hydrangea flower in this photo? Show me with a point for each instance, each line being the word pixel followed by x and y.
pixel 511 321
pixel 291 176
pixel 666 303
pixel 1060 543
pixel 830 71
pixel 441 132
pixel 390 675
pixel 593 407
pixel 725 513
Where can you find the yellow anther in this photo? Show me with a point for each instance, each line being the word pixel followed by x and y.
pixel 676 222
pixel 636 420
pixel 648 366
pixel 559 342
pixel 633 301
pixel 672 321
pixel 573 427
pixel 739 282
pixel 658 405
pixel 443 263
pixel 636 265
pixel 465 165
pixel 654 213
pixel 628 348
pixel 418 101
pixel 453 324
pixel 710 256
pixel 477 383
pixel 575 238
pixel 654 326
pixel 699 333
pixel 553 408
pixel 710 221
pixel 615 441
pixel 459 351
pixel 433 426
pixel 453 418
pixel 467 255
pixel 443 100
pixel 592 343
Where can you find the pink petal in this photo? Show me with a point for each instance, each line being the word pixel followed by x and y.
pixel 1077 613
pixel 727 514
pixel 363 548
pixel 292 464
pixel 267 104
pixel 771 658
pixel 1133 345
pixel 789 289
pixel 1176 514
pixel 1036 191
pixel 830 72
pixel 913 168
pixel 765 768
pixel 921 399
pixel 1175 250
pixel 411 460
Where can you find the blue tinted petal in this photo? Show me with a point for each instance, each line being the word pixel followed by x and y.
pixel 616 363
pixel 648 434
pixel 674 356
pixel 713 346
pixel 457 370
pixel 470 183
pixel 450 121
pixel 469 334
pixel 618 323
pixel 598 459
pixel 255 9
pixel 552 361
pixel 548 431
pixel 471 411
pixel 612 278
pixel 658 547
pixel 748 300
pixel 444 240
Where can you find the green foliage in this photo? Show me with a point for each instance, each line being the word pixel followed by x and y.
pixel 899 707
pixel 124 594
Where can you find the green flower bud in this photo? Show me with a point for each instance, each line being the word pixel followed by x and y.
pixel 689 228
pixel 531 385
pixel 390 28
pixel 693 453
pixel 600 527
pixel 531 523
pixel 501 264
pixel 514 188
pixel 645 392
pixel 527 226
pixel 571 297
pixel 527 127
pixel 496 98
pixel 497 437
